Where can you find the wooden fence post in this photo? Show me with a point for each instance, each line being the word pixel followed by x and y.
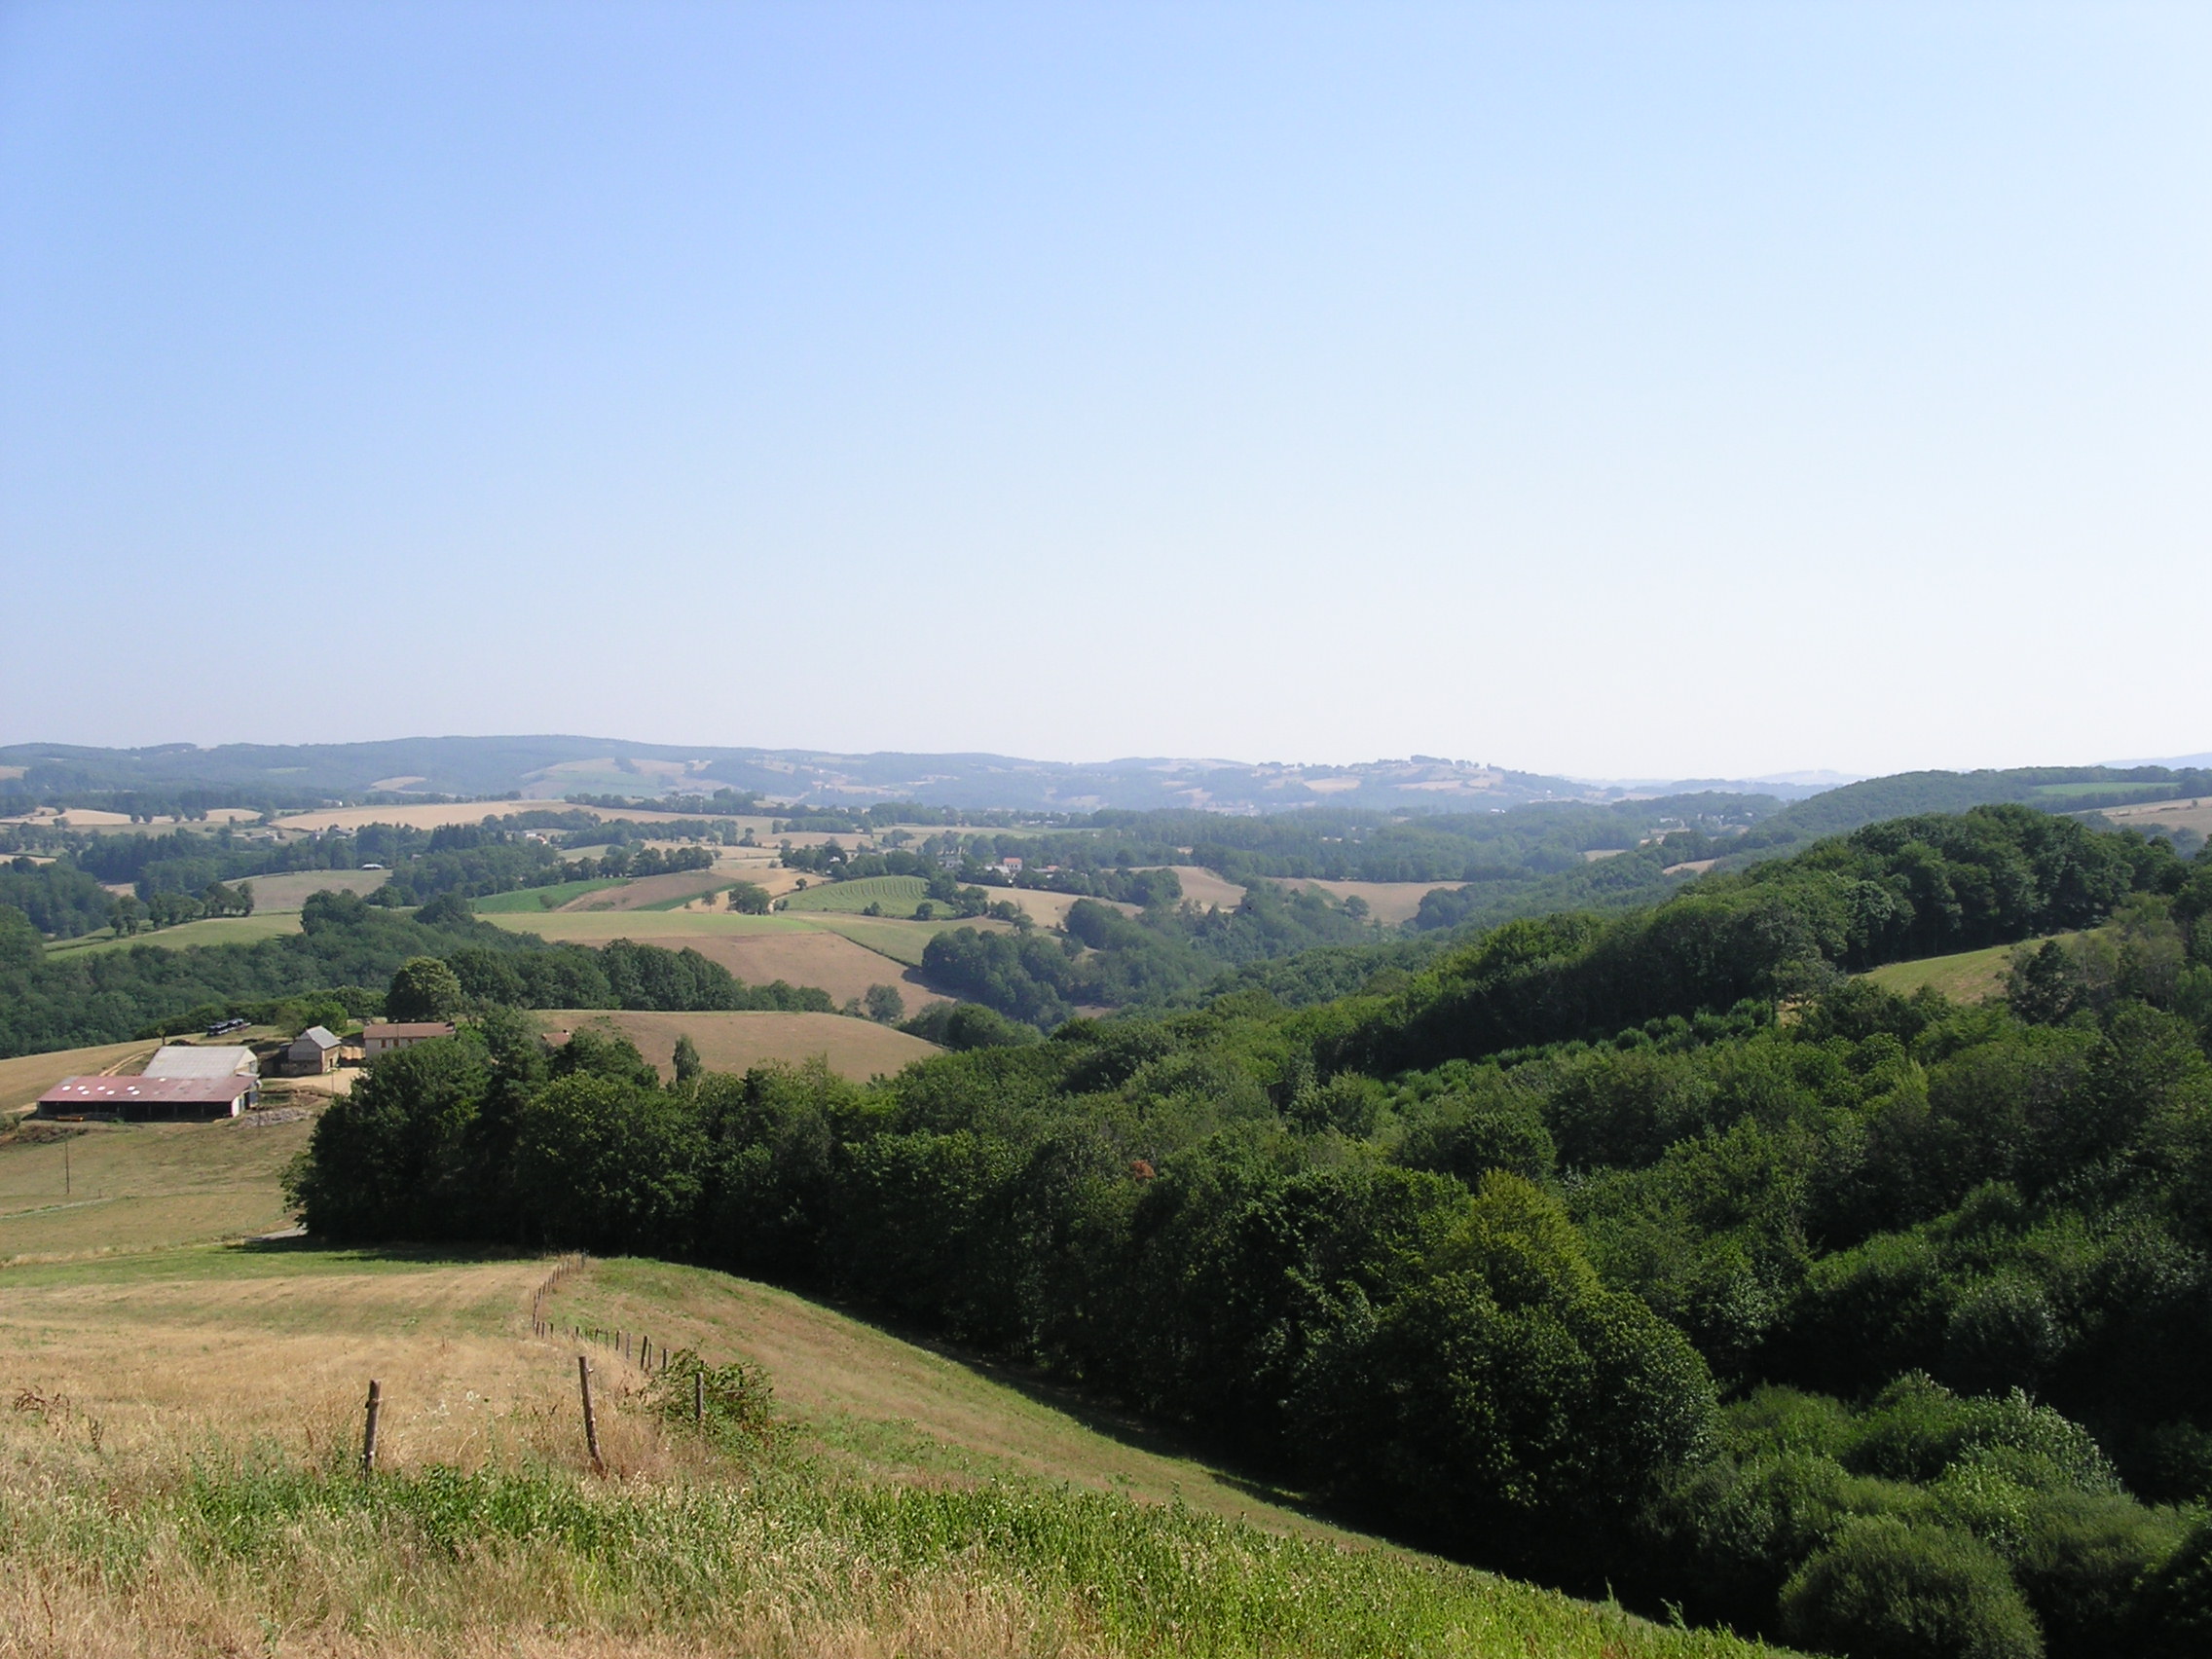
pixel 591 1423
pixel 369 1432
pixel 699 1398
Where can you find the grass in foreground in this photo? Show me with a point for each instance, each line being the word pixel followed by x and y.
pixel 178 1430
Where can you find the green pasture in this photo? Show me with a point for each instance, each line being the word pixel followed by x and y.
pixel 211 930
pixel 897 895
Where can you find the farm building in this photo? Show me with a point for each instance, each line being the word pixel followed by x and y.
pixel 183 1061
pixel 223 1096
pixel 312 1053
pixel 382 1039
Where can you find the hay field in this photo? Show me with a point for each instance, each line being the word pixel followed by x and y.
pixel 1207 889
pixel 2166 815
pixel 902 941
pixel 651 892
pixel 1390 903
pixel 1050 910
pixel 843 955
pixel 533 901
pixel 211 930
pixel 858 1048
pixel 437 816
pixel 290 890
pixel 23 1079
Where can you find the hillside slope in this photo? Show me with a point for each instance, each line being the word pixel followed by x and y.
pixel 911 1502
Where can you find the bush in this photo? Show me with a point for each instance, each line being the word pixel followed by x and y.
pixel 1887 1590
pixel 733 1404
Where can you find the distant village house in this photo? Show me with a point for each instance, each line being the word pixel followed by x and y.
pixel 384 1039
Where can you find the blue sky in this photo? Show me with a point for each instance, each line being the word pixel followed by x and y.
pixel 1627 390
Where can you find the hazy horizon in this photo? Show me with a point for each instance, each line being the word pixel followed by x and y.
pixel 1609 392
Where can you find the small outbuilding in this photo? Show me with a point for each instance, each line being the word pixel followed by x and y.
pixel 139 1097
pixel 381 1038
pixel 312 1053
pixel 184 1059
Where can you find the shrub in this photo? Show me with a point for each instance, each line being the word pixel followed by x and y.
pixel 1887 1590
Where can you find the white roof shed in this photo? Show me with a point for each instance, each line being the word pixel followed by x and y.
pixel 182 1060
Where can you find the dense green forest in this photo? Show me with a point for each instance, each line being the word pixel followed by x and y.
pixel 1650 1251
pixel 347 948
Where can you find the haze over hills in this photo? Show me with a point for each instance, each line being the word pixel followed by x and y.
pixel 551 768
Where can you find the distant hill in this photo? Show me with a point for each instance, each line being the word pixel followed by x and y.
pixel 550 768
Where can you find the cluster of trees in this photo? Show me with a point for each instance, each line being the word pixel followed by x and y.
pixel 165 910
pixel 59 900
pixel 1105 958
pixel 1872 1323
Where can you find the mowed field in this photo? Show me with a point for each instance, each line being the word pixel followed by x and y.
pixel 438 816
pixel 897 895
pixel 2166 815
pixel 1390 903
pixel 842 955
pixel 89 1189
pixel 291 889
pixel 858 1048
pixel 650 892
pixel 1207 889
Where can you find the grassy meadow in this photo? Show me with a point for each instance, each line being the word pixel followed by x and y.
pixel 1966 977
pixel 179 1472
pixel 897 895
pixel 209 930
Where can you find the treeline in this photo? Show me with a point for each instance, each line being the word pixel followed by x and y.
pixel 1916 887
pixel 82 998
pixel 1872 1324
pixel 1162 956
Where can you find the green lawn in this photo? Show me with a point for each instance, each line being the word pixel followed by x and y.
pixel 897 895
pixel 529 901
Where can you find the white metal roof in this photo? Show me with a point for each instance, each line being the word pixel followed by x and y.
pixel 319 1035
pixel 178 1061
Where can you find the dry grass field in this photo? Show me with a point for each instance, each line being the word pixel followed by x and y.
pixel 1207 889
pixel 177 1473
pixel 290 890
pixel 844 955
pixel 23 1079
pixel 134 1187
pixel 1390 903
pixel 437 816
pixel 2168 815
pixel 858 1048
pixel 650 892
